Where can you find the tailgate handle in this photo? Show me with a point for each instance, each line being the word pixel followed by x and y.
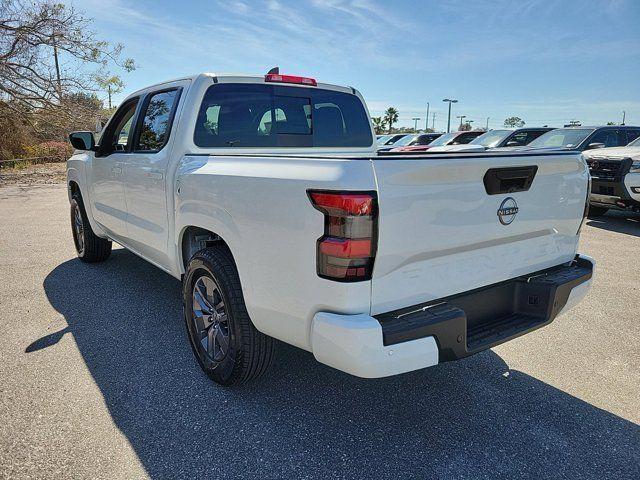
pixel 509 179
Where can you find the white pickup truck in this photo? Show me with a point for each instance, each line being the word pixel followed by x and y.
pixel 264 194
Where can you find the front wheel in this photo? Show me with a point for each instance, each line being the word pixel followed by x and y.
pixel 227 346
pixel 597 211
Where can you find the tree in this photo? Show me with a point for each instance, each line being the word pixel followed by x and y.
pixel 110 83
pixel 15 132
pixel 378 124
pixel 611 123
pixel 514 122
pixel 465 127
pixel 390 117
pixel 86 108
pixel 46 51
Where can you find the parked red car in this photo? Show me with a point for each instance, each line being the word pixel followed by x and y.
pixel 453 138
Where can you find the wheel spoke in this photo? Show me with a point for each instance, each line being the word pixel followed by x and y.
pixel 78 229
pixel 211 345
pixel 200 297
pixel 222 339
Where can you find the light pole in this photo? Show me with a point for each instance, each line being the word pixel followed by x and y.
pixel 461 117
pixel 433 122
pixel 624 116
pixel 415 123
pixel 449 117
pixel 426 120
pixel 487 127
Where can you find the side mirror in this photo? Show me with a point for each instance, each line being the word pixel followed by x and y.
pixel 591 146
pixel 512 143
pixel 82 140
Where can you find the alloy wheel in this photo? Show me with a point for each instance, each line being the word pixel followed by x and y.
pixel 210 321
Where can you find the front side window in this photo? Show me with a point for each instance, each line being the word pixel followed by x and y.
pixel 156 123
pixel 117 136
pixel 608 137
pixel 256 115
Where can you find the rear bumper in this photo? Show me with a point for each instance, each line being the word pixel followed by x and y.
pixel 450 328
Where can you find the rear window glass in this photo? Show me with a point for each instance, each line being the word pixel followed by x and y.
pixel 247 115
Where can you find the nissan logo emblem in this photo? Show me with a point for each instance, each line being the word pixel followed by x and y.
pixel 507 211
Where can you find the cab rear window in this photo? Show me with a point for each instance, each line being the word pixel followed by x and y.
pixel 250 115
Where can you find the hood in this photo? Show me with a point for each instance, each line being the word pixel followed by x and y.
pixel 459 148
pixel 613 152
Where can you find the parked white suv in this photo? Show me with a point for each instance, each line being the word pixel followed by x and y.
pixel 264 194
pixel 615 176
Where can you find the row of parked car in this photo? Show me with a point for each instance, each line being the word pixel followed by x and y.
pixel 612 153
pixel 572 138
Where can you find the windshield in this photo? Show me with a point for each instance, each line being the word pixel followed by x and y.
pixel 383 139
pixel 491 139
pixel 562 138
pixel 405 141
pixel 443 140
pixel 635 143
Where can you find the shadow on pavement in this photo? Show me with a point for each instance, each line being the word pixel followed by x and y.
pixel 472 418
pixel 617 221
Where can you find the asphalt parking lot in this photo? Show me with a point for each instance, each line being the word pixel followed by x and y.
pixel 97 380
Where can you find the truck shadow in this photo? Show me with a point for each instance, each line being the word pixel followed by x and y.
pixel 620 222
pixel 473 418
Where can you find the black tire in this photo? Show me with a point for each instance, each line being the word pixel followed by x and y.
pixel 249 353
pixel 597 211
pixel 89 246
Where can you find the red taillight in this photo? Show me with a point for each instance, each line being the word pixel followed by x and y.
pixel 346 251
pixel 277 78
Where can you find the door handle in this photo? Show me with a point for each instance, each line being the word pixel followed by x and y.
pixel 155 175
pixel 116 170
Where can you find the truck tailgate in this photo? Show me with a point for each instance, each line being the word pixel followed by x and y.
pixel 440 231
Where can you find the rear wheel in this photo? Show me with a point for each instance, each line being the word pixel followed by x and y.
pixel 227 346
pixel 597 211
pixel 89 246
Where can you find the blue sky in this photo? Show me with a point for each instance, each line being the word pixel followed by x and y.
pixel 546 61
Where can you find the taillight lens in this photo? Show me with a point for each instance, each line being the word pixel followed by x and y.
pixel 347 249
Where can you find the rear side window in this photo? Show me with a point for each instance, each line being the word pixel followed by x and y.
pixel 156 123
pixel 249 115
